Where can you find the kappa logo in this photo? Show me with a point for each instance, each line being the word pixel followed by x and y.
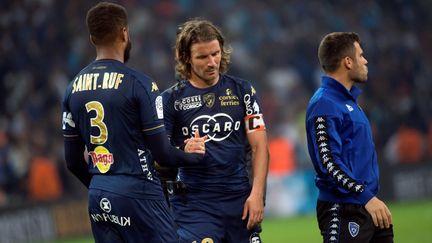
pixel 353 229
pixel 350 108
pixel 154 87
pixel 105 205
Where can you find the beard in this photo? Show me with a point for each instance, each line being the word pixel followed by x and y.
pixel 359 75
pixel 127 51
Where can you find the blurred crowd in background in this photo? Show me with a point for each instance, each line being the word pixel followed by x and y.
pixel 44 43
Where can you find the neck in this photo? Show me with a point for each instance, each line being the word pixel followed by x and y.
pixel 202 84
pixel 109 52
pixel 343 79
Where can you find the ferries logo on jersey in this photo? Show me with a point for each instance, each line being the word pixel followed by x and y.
pixel 187 103
pixel 229 99
pixel 218 126
pixel 209 99
pixel 102 158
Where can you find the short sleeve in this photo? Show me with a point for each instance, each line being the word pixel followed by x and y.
pixel 69 126
pixel 254 120
pixel 168 107
pixel 150 107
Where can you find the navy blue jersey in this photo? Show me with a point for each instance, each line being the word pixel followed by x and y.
pixel 111 108
pixel 224 112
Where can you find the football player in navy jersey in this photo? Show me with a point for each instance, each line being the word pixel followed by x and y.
pixel 214 201
pixel 116 114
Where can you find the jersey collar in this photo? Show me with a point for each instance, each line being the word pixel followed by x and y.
pixel 333 84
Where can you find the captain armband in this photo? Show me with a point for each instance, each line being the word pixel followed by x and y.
pixel 254 122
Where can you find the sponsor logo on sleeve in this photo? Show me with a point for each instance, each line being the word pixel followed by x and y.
pixel 159 107
pixel 251 108
pixel 67 120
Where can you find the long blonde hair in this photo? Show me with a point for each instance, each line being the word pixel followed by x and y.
pixel 195 31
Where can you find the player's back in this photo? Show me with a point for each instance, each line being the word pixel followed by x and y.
pixel 113 107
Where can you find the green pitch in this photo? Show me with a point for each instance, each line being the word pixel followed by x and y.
pixel 412 223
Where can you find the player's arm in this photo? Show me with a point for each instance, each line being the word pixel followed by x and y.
pixel 168 155
pixel 254 205
pixel 74 155
pixel 73 145
pixel 324 131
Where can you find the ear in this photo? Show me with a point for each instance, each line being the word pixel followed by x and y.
pixel 91 40
pixel 125 34
pixel 347 62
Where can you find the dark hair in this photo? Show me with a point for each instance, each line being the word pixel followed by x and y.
pixel 105 21
pixel 334 47
pixel 195 31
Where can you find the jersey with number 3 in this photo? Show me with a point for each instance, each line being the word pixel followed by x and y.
pixel 225 112
pixel 111 107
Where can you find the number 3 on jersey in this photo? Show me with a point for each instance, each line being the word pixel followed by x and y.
pixel 206 240
pixel 97 121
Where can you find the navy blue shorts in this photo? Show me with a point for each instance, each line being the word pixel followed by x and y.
pixel 205 217
pixel 116 218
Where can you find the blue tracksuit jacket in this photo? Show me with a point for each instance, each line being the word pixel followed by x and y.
pixel 340 145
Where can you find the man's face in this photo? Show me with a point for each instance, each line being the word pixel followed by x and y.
pixel 127 51
pixel 205 62
pixel 359 71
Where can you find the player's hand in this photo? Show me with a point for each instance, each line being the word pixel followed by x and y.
pixel 381 215
pixel 253 210
pixel 196 144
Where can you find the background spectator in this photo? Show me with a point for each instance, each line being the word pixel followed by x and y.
pixel 44 43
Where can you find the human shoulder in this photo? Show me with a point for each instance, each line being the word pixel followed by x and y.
pixel 142 79
pixel 175 89
pixel 321 104
pixel 235 80
pixel 243 85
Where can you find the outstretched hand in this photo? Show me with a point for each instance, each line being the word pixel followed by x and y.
pixel 381 215
pixel 195 144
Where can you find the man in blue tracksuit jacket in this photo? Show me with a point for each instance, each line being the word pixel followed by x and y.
pixel 341 148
